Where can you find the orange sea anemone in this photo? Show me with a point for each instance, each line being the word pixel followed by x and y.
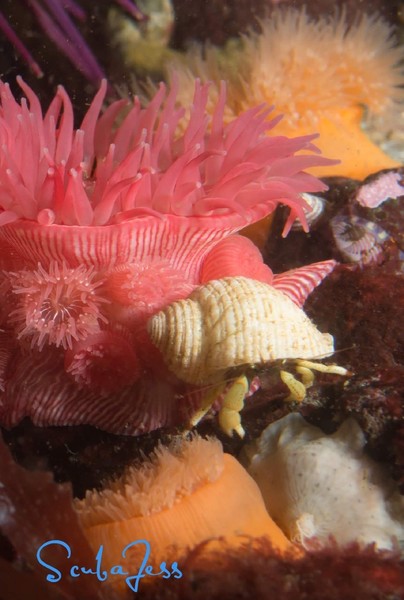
pixel 183 495
pixel 321 75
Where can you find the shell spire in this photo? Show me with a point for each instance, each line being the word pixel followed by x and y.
pixel 298 283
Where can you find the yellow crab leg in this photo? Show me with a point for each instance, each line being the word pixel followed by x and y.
pixel 335 369
pixel 296 387
pixel 207 402
pixel 233 402
pixel 307 376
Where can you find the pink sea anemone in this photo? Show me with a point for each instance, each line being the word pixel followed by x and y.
pixel 103 225
pixel 56 306
pixel 139 289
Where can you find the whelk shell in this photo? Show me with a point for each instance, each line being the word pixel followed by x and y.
pixel 232 322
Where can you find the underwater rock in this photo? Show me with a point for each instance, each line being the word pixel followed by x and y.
pixel 316 485
pixel 363 309
pixel 361 222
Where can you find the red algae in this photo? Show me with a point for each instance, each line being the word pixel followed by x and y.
pixel 365 307
pixel 256 571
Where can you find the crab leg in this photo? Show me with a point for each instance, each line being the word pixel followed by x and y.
pixel 212 395
pixel 307 376
pixel 233 402
pixel 297 388
pixel 322 368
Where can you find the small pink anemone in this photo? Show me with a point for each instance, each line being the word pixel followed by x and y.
pixel 138 290
pixel 103 225
pixel 105 362
pixel 56 306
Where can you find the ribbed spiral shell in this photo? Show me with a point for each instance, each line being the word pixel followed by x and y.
pixel 231 322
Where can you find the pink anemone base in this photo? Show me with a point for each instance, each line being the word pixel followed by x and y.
pixel 102 226
pixel 184 241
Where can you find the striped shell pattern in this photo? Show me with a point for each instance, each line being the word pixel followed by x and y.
pixel 232 322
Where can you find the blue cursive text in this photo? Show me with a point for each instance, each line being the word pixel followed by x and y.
pixel 132 580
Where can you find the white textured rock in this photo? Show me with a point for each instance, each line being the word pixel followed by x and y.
pixel 317 485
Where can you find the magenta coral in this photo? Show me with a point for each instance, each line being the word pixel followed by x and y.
pixel 102 226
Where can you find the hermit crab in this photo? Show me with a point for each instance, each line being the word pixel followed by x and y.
pixel 230 324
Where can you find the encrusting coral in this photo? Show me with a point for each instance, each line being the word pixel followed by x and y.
pixel 183 495
pixel 320 74
pixel 102 226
